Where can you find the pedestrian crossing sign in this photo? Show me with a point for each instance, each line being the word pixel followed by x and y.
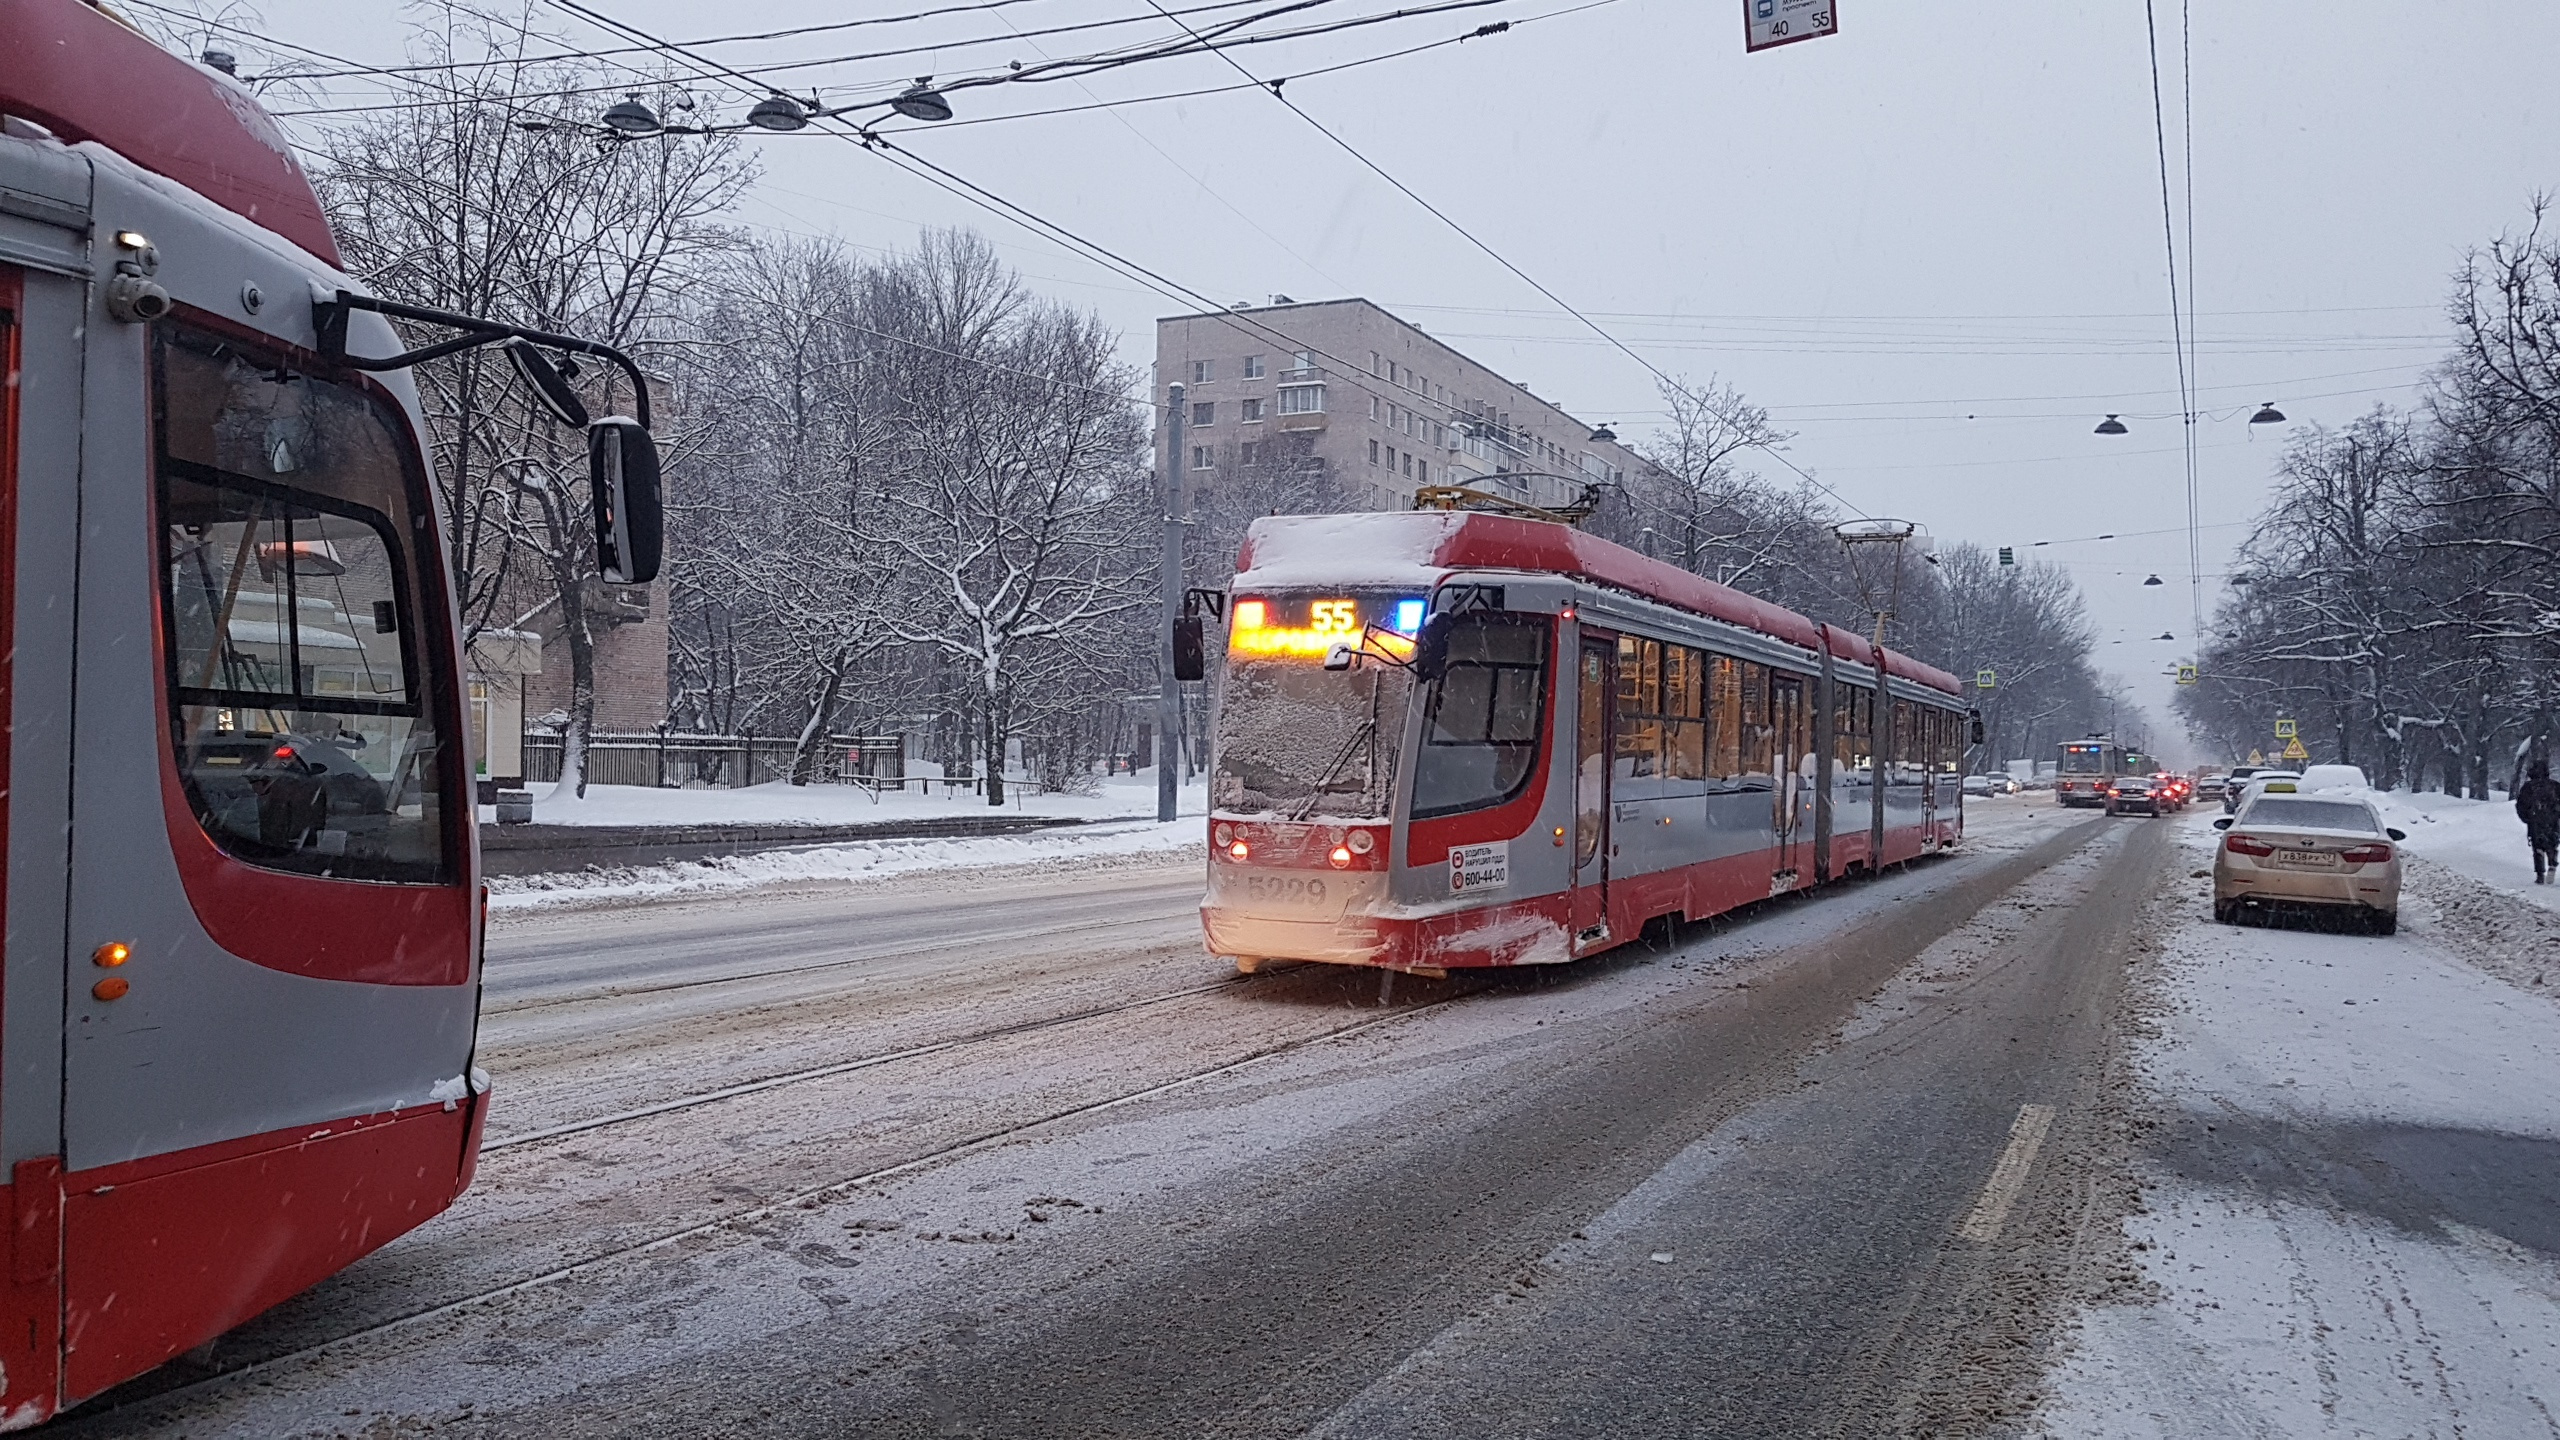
pixel 1986 679
pixel 2293 751
pixel 2284 730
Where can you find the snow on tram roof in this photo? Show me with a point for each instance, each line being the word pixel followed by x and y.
pixel 86 76
pixel 1414 548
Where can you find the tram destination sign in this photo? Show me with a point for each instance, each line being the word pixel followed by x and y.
pixel 1767 24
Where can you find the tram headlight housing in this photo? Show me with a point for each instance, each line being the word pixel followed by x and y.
pixel 1341 857
pixel 1222 834
pixel 1238 850
pixel 1362 842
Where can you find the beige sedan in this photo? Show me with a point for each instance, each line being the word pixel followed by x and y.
pixel 2289 849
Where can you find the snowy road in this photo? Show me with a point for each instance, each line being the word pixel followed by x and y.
pixel 1002 1153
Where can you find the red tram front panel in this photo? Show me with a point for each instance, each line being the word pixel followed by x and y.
pixel 241 903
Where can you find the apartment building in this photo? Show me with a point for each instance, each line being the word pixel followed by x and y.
pixel 1382 407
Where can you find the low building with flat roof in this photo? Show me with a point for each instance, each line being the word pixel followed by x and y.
pixel 1342 404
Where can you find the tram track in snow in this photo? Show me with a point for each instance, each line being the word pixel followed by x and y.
pixel 866 1062
pixel 781 972
pixel 810 1197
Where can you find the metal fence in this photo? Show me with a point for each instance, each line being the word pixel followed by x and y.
pixel 727 761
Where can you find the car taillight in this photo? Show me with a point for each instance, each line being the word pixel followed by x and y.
pixel 2245 845
pixel 2374 854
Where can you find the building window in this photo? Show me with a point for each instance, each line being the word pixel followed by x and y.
pixel 1252 410
pixel 1250 454
pixel 1408 465
pixel 1391 458
pixel 1202 459
pixel 1376 407
pixel 1204 414
pixel 1201 371
pixel 1301 399
pixel 1373 452
pixel 1302 360
pixel 1422 471
pixel 1253 367
pixel 1373 364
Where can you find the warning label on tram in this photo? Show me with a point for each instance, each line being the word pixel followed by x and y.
pixel 1479 867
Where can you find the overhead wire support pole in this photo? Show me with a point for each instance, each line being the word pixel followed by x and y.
pixel 1169 584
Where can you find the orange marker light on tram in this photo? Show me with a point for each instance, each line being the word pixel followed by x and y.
pixel 111 954
pixel 111 988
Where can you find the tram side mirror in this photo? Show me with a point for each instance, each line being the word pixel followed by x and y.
pixel 622 471
pixel 1431 649
pixel 1190 648
pixel 2225 822
pixel 1341 655
pixel 546 382
pixel 1975 731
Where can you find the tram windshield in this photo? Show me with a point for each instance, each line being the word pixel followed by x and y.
pixel 1296 740
pixel 303 697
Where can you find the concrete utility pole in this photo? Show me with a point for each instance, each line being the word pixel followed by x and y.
pixel 1177 512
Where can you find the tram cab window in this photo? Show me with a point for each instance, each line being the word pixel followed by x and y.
pixel 294 547
pixel 1481 726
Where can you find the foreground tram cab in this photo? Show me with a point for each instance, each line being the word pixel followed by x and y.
pixel 1450 739
pixel 242 907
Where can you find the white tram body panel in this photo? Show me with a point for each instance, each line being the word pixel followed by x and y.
pixel 1612 741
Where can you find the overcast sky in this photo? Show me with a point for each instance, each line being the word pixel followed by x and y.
pixel 1931 244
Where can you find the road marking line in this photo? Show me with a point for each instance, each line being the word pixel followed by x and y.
pixel 2009 1176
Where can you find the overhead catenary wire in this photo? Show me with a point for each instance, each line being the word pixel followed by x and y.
pixel 960 187
pixel 1278 93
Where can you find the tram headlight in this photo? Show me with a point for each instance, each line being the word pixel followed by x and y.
pixel 1362 842
pixel 1221 835
pixel 1238 850
pixel 1341 857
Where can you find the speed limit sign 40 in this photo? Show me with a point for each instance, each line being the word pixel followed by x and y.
pixel 1770 23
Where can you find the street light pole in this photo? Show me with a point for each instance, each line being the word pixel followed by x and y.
pixel 1169 582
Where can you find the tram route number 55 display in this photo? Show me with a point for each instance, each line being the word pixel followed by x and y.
pixel 1767 24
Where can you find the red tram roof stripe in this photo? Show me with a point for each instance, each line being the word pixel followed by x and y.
pixel 84 76
pixel 1504 542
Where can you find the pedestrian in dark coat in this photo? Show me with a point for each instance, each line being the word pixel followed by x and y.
pixel 2538 806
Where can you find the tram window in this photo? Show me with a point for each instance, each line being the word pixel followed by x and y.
pixel 1853 727
pixel 1480 731
pixel 1684 726
pixel 1724 718
pixel 1759 750
pixel 1661 715
pixel 304 710
pixel 1905 741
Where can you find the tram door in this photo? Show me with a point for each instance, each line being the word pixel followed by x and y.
pixel 1595 686
pixel 1788 717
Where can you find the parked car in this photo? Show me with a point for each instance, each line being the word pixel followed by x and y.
pixel 2289 848
pixel 2333 777
pixel 2131 794
pixel 2242 793
pixel 1982 785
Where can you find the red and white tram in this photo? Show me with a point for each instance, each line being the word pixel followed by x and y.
pixel 241 904
pixel 1452 739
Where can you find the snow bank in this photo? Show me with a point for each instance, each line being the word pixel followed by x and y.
pixel 2480 838
pixel 859 860
pixel 2348 1228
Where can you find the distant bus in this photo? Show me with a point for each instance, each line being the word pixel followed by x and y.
pixel 2087 767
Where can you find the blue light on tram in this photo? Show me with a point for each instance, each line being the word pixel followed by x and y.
pixel 1409 616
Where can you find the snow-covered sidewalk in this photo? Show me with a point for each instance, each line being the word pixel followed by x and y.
pixel 2353 1222
pixel 1121 815
pixel 1117 797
